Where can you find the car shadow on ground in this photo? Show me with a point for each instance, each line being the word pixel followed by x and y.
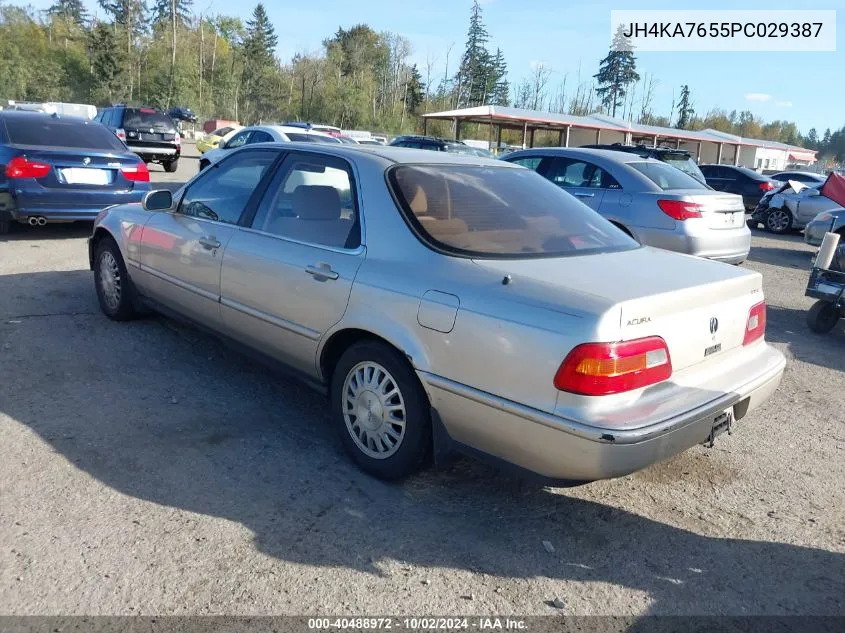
pixel 788 325
pixel 784 257
pixel 60 231
pixel 165 414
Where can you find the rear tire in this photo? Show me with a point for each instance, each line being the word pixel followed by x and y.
pixel 115 291
pixel 380 411
pixel 822 317
pixel 752 224
pixel 5 226
pixel 171 166
pixel 778 221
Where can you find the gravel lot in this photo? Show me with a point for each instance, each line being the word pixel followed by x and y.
pixel 147 469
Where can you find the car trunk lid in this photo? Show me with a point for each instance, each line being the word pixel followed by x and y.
pixel 719 210
pixel 699 307
pixel 72 169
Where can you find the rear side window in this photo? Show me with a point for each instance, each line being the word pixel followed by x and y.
pixel 531 162
pixel 135 118
pixel 49 132
pixel 496 212
pixel 667 177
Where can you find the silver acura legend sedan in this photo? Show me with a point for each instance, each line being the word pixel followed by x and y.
pixel 448 303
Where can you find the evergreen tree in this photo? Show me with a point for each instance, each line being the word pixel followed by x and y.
pixel 499 86
pixel 414 91
pixel 106 64
pixel 617 71
pixel 472 78
pixel 70 11
pixel 169 11
pixel 812 139
pixel 826 138
pixel 259 56
pixel 685 110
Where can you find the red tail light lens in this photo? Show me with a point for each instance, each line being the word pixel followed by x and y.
pixel 756 326
pixel 680 210
pixel 766 186
pixel 20 167
pixel 136 173
pixel 121 134
pixel 600 369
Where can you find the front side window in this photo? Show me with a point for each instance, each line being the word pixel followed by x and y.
pixel 238 139
pixel 667 177
pixel 223 191
pixel 311 200
pixel 481 211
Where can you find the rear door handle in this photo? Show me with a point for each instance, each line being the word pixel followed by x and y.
pixel 584 195
pixel 209 242
pixel 321 271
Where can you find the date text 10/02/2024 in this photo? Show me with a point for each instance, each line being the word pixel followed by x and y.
pixel 419 624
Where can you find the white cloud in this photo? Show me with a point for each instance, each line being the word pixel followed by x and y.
pixel 757 96
pixel 784 104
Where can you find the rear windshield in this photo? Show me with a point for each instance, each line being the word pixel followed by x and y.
pixel 481 211
pixel 49 132
pixel 309 138
pixel 140 118
pixel 460 149
pixel 685 164
pixel 667 177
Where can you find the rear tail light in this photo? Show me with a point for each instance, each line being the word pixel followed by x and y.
pixel 600 369
pixel 136 173
pixel 178 139
pixel 121 134
pixel 20 167
pixel 755 328
pixel 766 186
pixel 680 210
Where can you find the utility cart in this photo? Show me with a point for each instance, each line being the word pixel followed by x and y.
pixel 827 285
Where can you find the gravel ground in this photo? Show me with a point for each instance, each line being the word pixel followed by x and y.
pixel 147 469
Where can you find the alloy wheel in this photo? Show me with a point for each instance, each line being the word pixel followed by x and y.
pixel 777 221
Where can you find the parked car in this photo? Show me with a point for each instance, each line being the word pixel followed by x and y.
pixel 832 221
pixel 653 202
pixel 213 140
pixel 679 158
pixel 739 180
pixel 434 144
pixel 57 169
pixel 807 177
pixel 181 113
pixel 151 134
pixel 449 303
pixel 265 134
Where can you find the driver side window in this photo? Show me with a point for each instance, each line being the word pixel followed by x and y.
pixel 239 139
pixel 224 190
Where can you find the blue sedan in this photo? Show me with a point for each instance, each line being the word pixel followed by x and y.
pixel 57 169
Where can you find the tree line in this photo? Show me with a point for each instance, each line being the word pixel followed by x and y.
pixel 165 53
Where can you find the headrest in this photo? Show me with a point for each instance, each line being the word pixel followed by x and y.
pixel 419 203
pixel 316 202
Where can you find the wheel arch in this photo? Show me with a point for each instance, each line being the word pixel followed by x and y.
pixel 100 233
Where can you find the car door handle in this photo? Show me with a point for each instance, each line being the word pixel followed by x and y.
pixel 584 195
pixel 209 242
pixel 322 271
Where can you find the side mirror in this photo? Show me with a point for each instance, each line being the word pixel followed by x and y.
pixel 159 200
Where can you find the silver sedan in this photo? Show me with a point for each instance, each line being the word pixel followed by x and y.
pixel 448 303
pixel 656 203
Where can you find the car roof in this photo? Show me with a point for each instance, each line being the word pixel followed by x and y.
pixel 29 114
pixel 585 153
pixel 396 155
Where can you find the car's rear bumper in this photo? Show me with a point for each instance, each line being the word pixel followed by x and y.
pixel 150 152
pixel 561 450
pixel 73 213
pixel 731 246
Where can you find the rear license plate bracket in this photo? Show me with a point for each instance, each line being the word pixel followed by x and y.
pixel 722 423
pixel 85 176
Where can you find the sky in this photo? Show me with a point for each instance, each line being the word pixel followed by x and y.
pixel 563 35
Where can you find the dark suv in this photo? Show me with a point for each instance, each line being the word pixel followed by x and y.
pixel 678 158
pixel 433 143
pixel 151 134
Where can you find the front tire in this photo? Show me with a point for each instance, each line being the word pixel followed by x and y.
pixel 115 292
pixel 778 221
pixel 822 317
pixel 171 166
pixel 380 411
